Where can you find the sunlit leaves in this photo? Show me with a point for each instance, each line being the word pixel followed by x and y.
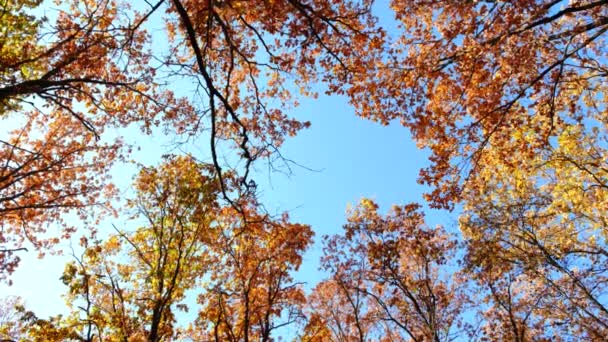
pixel 463 73
pixel 536 224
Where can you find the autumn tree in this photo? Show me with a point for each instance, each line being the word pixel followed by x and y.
pixel 461 75
pixel 62 84
pixel 541 221
pixel 42 179
pixel 390 278
pixel 510 99
pixel 337 312
pixel 251 294
pixel 132 285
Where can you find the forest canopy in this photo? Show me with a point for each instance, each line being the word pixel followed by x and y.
pixel 508 99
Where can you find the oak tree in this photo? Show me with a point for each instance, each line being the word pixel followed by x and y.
pixel 391 275
pixel 461 75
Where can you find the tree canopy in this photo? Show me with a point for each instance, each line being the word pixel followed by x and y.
pixel 508 98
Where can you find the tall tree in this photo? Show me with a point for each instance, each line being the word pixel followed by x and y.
pixel 132 285
pixel 9 317
pixel 461 75
pixel 129 285
pixel 541 221
pixel 392 277
pixel 43 177
pixel 251 293
pixel 337 312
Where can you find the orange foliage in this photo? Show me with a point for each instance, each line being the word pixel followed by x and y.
pixel 509 98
